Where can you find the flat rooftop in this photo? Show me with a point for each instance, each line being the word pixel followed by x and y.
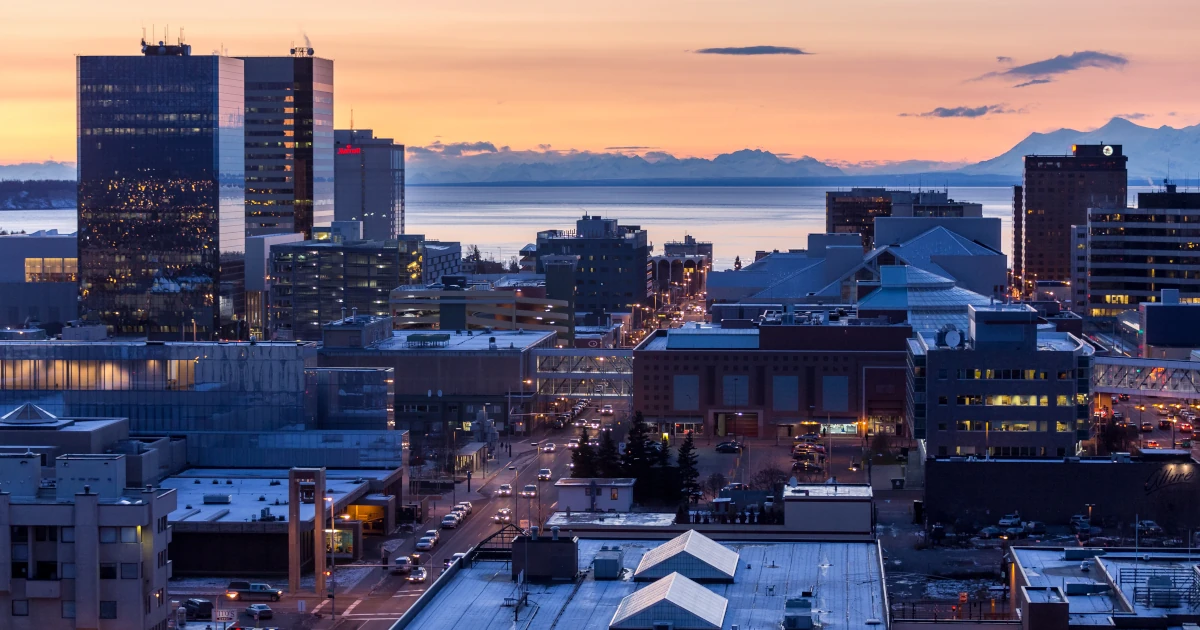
pixel 477 341
pixel 1115 582
pixel 857 490
pixel 846 581
pixel 248 485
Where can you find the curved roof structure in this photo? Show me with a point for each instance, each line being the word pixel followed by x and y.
pixel 29 413
pixel 691 554
pixel 675 599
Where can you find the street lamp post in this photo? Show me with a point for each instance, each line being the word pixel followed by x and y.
pixel 332 560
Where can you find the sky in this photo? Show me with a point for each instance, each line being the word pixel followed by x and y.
pixel 839 80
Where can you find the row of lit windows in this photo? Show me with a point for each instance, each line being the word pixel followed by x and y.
pixel 1011 400
pixel 1007 426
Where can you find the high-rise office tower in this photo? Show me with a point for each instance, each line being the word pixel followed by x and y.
pixel 162 227
pixel 289 143
pixel 1056 193
pixel 370 182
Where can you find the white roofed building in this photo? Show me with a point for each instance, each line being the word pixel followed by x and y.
pixel 692 554
pixel 673 599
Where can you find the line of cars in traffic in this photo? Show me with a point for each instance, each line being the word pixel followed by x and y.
pixel 457 515
pixel 573 416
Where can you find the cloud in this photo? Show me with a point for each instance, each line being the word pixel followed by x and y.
pixel 1172 113
pixel 965 112
pixel 628 148
pixel 544 147
pixel 753 50
pixel 1003 59
pixel 1040 72
pixel 1133 116
pixel 453 148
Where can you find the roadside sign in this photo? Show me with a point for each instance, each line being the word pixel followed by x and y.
pixel 224 614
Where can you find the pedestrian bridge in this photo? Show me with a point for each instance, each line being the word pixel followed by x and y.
pixel 584 373
pixel 1146 377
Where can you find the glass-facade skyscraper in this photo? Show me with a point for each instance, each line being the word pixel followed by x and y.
pixel 289 143
pixel 162 227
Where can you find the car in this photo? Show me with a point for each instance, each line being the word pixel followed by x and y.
pixel 606 410
pixel 505 490
pixel 593 442
pixel 1117 415
pixel 807 467
pixel 737 485
pixel 503 516
pixel 260 611
pixel 543 474
pixel 594 424
pixel 1013 533
pixel 1162 411
pixel 434 534
pixel 1185 427
pixel 1147 427
pixel 572 444
pixel 452 559
pixel 729 447
pixel 245 591
pixel 1149 528
pixel 549 447
pixel 1035 528
pixel 449 521
pixel 607 426
pixel 460 512
pixel 804 456
pixel 1164 424
pixel 990 532
pixel 807 437
pixel 197 609
pixel 1123 397
pixel 466 504
pixel 1152 444
pixel 579 422
pixel 418 576
pixel 1010 520
pixel 529 491
pixel 401 565
pixel 425 544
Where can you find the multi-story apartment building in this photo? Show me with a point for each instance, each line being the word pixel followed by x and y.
pixel 1056 193
pixel 370 182
pixel 1135 253
pixel 81 550
pixel 289 143
pixel 1001 388
pixel 162 217
pixel 855 211
pixel 613 275
pixel 315 282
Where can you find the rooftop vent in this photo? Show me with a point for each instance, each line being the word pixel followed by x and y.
pixel 218 499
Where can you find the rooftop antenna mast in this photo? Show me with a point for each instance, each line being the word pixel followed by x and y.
pixel 351 119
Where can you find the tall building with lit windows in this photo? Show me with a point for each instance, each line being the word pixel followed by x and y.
pixel 289 143
pixel 162 226
pixel 370 182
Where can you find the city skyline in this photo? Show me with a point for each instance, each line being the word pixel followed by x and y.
pixel 935 81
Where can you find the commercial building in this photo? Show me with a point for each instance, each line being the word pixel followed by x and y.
pixel 689 583
pixel 689 246
pixel 576 494
pixel 161 241
pixel 39 278
pixel 1055 195
pixel 442 258
pixel 855 211
pixel 453 387
pixel 1133 254
pixel 82 550
pixel 511 305
pixel 613 275
pixel 289 143
pixel 1000 387
pixel 370 182
pixel 314 282
pixel 788 377
pixel 1162 329
pixel 258 279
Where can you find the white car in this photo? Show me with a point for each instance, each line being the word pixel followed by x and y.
pixel 466 504
pixel 606 410
pixel 426 544
pixel 529 491
pixel 260 611
pixel 449 521
pixel 1010 520
pixel 505 490
pixel 434 534
pixel 572 444
pixel 544 474
pixel 549 447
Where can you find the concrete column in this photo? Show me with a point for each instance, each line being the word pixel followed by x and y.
pixel 87 561
pixel 296 478
pixel 5 542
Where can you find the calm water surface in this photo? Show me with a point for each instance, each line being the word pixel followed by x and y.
pixel 501 220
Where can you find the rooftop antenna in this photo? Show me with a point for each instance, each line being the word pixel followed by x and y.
pixel 351 119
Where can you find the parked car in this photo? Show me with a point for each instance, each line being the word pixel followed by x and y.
pixel 434 534
pixel 1149 528
pixel 990 532
pixel 729 447
pixel 466 504
pixel 1010 520
pixel 426 544
pixel 452 559
pixel 503 516
pixel 543 474
pixel 505 490
pixel 1035 528
pixel 1013 533
pixel 418 576
pixel 529 491
pixel 197 609
pixel 449 521
pixel 260 611
pixel 807 467
pixel 252 590
pixel 460 512
pixel 606 410
pixel 549 447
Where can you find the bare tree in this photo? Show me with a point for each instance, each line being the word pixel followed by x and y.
pixel 769 479
pixel 514 266
pixel 713 484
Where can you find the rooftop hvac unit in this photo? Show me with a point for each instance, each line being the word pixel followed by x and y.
pixel 218 499
pixel 608 564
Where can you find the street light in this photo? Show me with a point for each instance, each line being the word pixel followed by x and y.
pixel 332 560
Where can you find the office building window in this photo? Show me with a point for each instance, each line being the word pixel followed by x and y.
pixel 67 570
pixel 68 534
pixel 20 608
pixel 68 609
pixel 613 494
pixel 108 610
pixel 130 534
pixel 108 570
pixel 129 571
pixel 108 534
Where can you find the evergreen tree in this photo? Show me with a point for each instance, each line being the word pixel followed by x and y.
pixel 636 459
pixel 608 458
pixel 689 475
pixel 584 457
pixel 662 457
pixel 737 263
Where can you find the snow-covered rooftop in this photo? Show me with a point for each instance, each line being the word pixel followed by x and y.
pixel 684 603
pixel 691 553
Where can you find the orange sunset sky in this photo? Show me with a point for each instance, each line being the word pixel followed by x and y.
pixel 591 75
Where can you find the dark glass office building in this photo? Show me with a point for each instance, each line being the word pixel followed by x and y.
pixel 161 192
pixel 289 143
